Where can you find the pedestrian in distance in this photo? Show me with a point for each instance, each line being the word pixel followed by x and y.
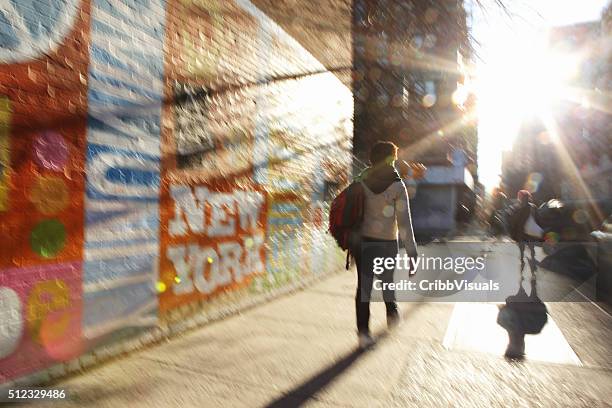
pixel 496 219
pixel 523 227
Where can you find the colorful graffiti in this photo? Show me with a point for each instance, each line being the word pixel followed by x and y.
pixel 214 242
pixel 41 317
pixel 42 128
pixel 32 28
pixel 284 227
pixel 154 154
pixel 126 85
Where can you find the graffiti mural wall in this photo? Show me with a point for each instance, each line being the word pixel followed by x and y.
pixel 155 154
pixel 125 97
pixel 43 103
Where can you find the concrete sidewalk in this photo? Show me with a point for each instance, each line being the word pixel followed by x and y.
pixel 301 348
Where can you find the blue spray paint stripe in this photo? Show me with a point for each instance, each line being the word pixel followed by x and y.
pixel 285 221
pixel 101 217
pixel 132 54
pixel 8 36
pixel 100 54
pixel 96 124
pixel 102 98
pixel 155 96
pixel 120 242
pixel 122 175
pixel 285 207
pixel 32 10
pixel 102 28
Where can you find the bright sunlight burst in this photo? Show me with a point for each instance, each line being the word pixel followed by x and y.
pixel 518 76
pixel 524 79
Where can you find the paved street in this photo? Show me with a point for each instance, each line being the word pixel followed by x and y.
pixel 301 348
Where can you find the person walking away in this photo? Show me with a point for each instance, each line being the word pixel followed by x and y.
pixel 523 227
pixel 386 213
pixel 496 218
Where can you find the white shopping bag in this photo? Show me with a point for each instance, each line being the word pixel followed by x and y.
pixel 532 228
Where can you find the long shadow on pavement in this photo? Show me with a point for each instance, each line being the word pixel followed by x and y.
pixel 301 394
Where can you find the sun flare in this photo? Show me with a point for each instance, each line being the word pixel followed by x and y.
pixel 520 78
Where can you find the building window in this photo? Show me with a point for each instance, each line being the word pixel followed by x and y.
pixel 425 91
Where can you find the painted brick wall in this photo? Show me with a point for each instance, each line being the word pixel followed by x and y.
pixel 159 160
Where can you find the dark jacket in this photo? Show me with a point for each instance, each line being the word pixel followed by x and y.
pixel 518 217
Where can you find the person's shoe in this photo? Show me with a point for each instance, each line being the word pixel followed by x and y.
pixel 365 341
pixel 393 320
